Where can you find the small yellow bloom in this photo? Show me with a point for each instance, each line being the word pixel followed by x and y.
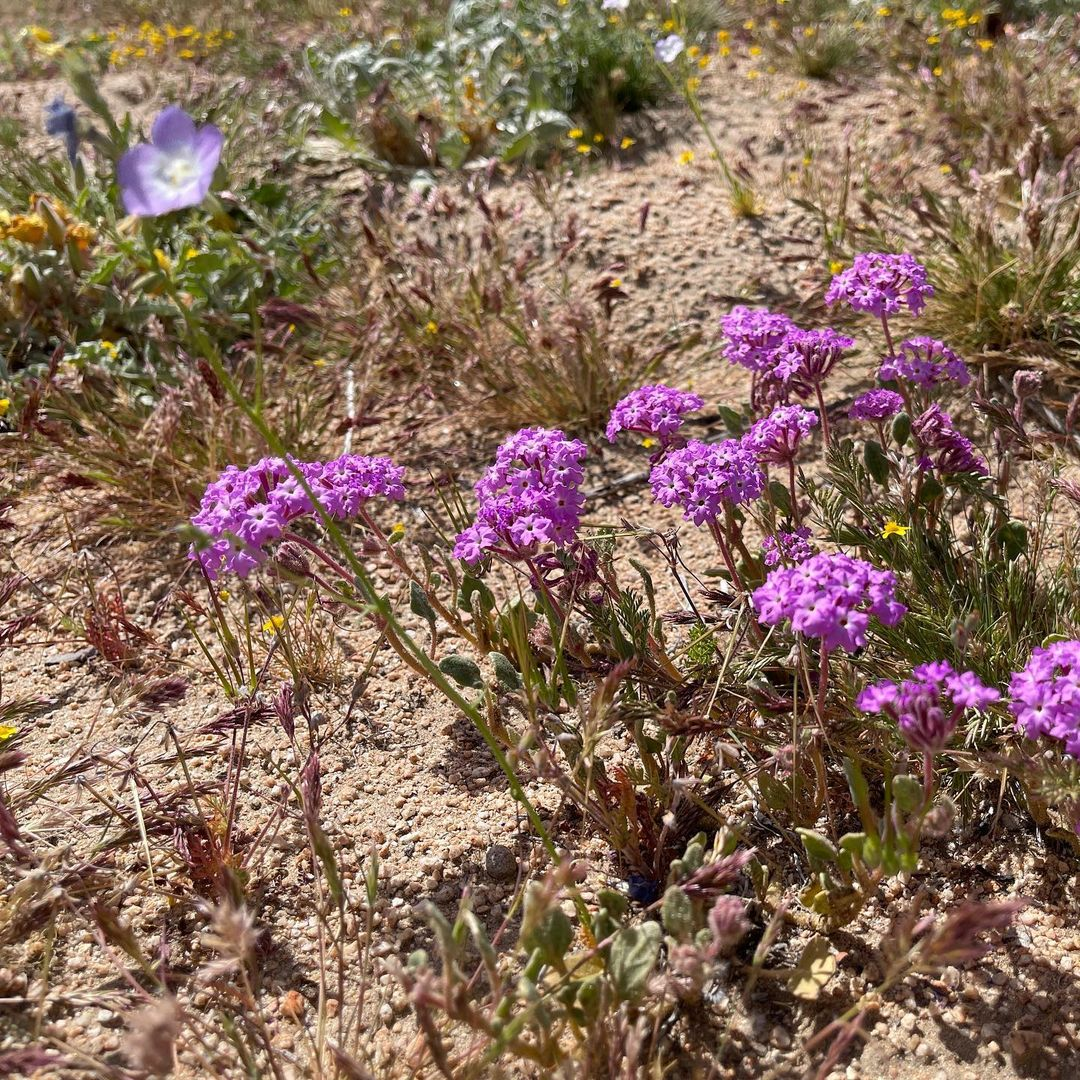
pixel 748 25
pixel 692 84
pixel 575 133
pixel 432 327
pixel 835 266
pixel 946 169
pixel 722 35
pixel 934 39
pixel 29 228
pixel 753 73
pixel 725 50
pixel 584 148
pixel 111 348
pixel 6 731
pixel 162 260
pixel 5 404
pixel 884 12
pixel 693 52
pixel 809 31
pixel 669 24
pixel 191 253
pixel 703 62
pixel 985 44
pixel 224 594
pixel 938 72
pixel 648 443
pixel 755 50
pixel 39 34
pixel 686 157
pixel 893 529
pixel 598 138
pixel 344 12
pixel 320 363
pixel 186 54
pixel 616 283
pixel 626 143
pixel 273 624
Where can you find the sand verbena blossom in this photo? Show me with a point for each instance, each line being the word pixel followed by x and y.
pixel 174 170
pixel 1046 694
pixel 928 706
pixel 655 411
pixel 704 477
pixel 831 596
pixel 882 285
pixel 530 497
pixel 925 362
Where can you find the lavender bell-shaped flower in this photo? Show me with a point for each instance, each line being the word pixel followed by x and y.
pixel 60 121
pixel 174 170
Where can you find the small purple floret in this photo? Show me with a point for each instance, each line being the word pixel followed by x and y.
pixel 925 362
pixel 775 438
pixel 703 477
pixel 876 405
pixel 754 335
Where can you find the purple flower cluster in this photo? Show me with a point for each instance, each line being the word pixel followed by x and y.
pixel 831 596
pixel 652 410
pixel 1046 694
pixel 754 336
pixel 528 497
pixel 925 362
pixel 776 437
pixel 928 706
pixel 876 405
pixel 789 547
pixel 956 454
pixel 702 477
pixel 808 356
pixel 246 509
pixel 882 284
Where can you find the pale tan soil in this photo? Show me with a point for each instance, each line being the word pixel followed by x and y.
pixel 407 776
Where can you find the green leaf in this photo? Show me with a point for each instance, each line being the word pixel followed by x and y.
pixel 632 957
pixel 505 672
pixel 901 428
pixel 552 934
pixel 677 913
pixel 462 670
pixel 781 497
pixel 907 792
pixel 471 585
pixel 818 848
pixel 931 489
pixel 877 462
pixel 1013 537
pixel 419 603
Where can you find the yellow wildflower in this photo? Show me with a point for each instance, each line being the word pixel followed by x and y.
pixel 584 148
pixel 938 72
pixel 755 50
pixel 431 328
pixel 39 34
pixel 722 35
pixel 753 73
pixel 224 594
pixel 893 529
pixel 748 25
pixel 5 404
pixel 598 138
pixel 344 12
pixel 686 157
pixel 809 31
pixel 693 52
pixel 985 44
pixel 626 143
pixel 186 54
pixel 6 731
pixel 946 169
pixel 190 253
pixel 273 624
pixel 575 133
pixel 669 24
pixel 725 50
pixel 703 62
pixel 616 283
pixel 29 228
pixel 884 12
pixel 835 266
pixel 163 260
pixel 648 443
pixel 934 39
pixel 320 363
pixel 692 84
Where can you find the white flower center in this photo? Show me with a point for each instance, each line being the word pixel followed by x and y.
pixel 178 170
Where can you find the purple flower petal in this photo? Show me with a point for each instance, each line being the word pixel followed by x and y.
pixel 134 168
pixel 172 129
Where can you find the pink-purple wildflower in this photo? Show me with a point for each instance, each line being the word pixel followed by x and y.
pixel 528 498
pixel 244 510
pixel 656 411
pixel 876 405
pixel 775 438
pixel 806 358
pixel 754 336
pixel 1046 694
pixel 935 433
pixel 704 477
pixel 787 547
pixel 925 362
pixel 830 596
pixel 882 284
pixel 928 706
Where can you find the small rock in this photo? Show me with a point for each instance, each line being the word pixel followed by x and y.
pixel 501 863
pixel 292 1005
pixel 780 1038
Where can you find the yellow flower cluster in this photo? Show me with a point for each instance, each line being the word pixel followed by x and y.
pixel 148 40
pixel 48 219
pixel 958 18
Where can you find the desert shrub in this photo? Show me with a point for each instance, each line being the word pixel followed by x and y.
pixel 503 81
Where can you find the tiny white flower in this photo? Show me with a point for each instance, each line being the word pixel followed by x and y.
pixel 668 48
pixel 615 5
